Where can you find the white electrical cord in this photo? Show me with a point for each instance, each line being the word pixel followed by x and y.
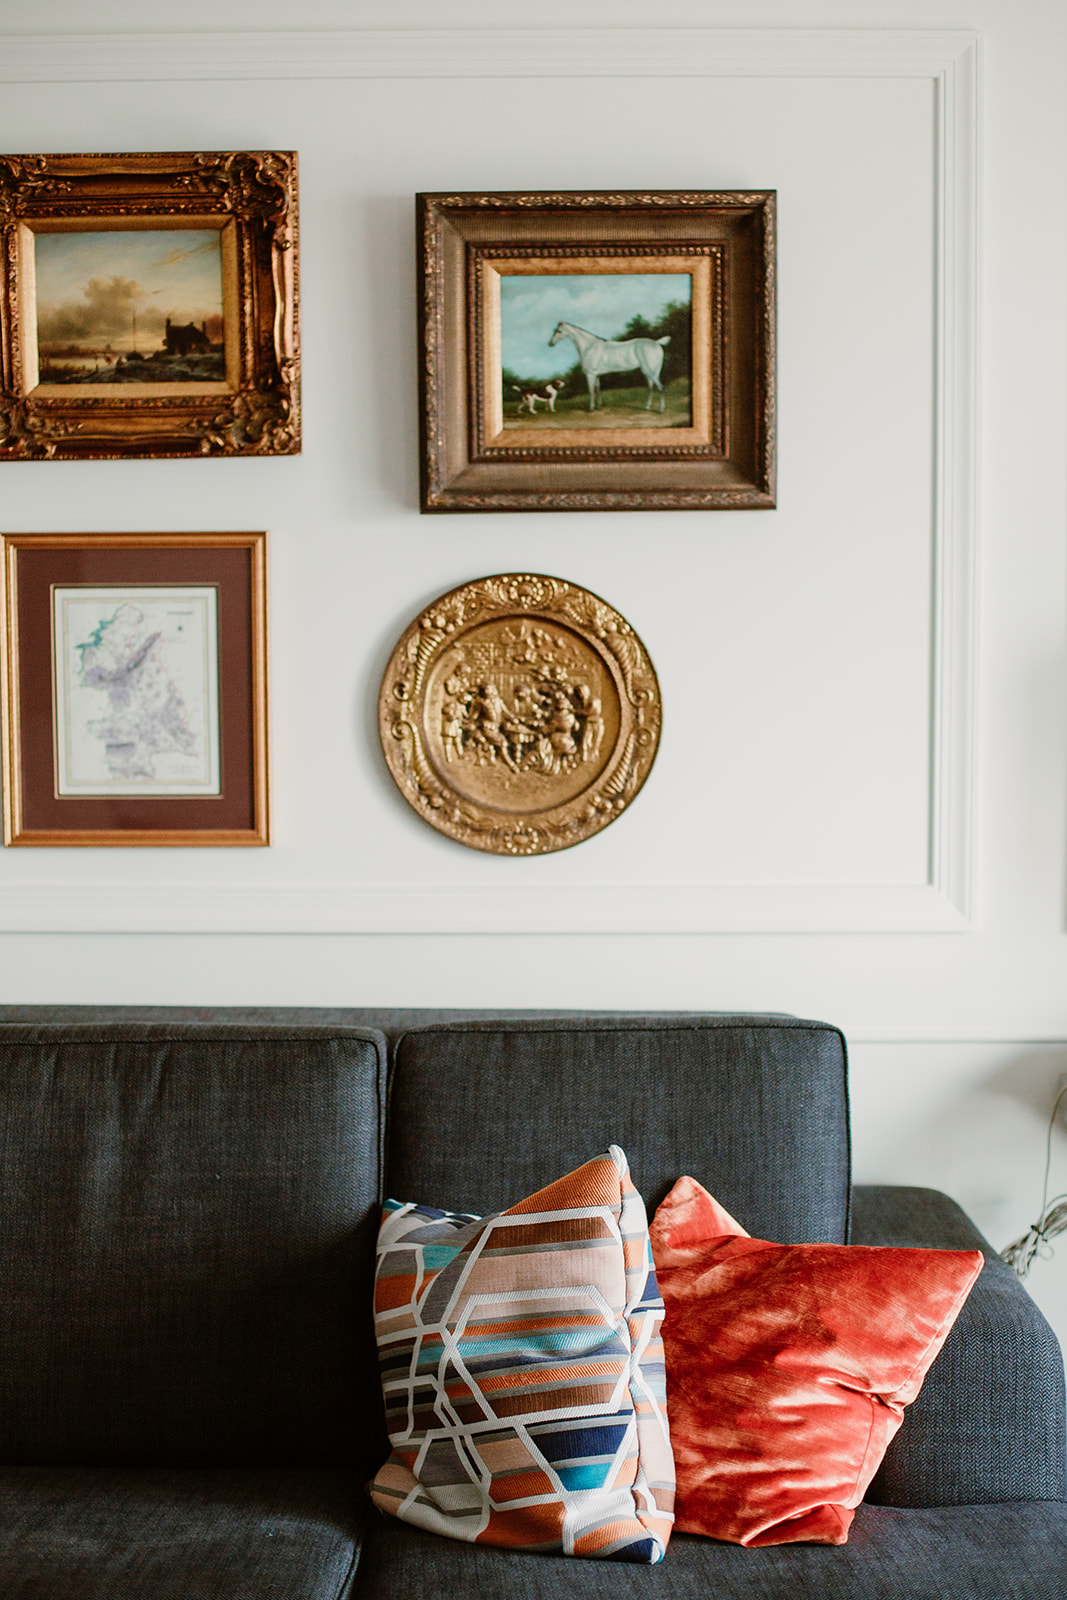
pixel 1053 1218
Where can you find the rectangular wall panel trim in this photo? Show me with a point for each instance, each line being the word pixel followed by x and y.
pixel 173 907
pixel 949 61
pixel 482 53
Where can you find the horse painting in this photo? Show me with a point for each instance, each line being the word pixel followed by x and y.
pixel 598 355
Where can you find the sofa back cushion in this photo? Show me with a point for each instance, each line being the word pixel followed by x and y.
pixel 755 1107
pixel 187 1224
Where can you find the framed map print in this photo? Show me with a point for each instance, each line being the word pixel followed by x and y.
pixel 598 351
pixel 148 305
pixel 134 689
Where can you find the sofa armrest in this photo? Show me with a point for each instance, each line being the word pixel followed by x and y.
pixel 988 1425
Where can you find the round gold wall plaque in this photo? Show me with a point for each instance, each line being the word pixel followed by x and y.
pixel 519 714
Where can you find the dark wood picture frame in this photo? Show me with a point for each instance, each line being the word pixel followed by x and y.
pixel 33 567
pixel 250 198
pixel 477 456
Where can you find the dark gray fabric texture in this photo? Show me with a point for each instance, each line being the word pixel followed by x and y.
pixel 481 1114
pixel 186 1245
pixel 968 1553
pixel 237 1534
pixel 189 1204
pixel 389 1020
pixel 988 1424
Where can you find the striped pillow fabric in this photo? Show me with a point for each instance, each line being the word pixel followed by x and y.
pixel 522 1371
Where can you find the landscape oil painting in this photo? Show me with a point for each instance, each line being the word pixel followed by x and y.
pixel 596 350
pixel 130 306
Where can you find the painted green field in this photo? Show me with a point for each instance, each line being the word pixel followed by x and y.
pixel 619 408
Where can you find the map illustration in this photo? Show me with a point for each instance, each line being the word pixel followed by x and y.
pixel 136 675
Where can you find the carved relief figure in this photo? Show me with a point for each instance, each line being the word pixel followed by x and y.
pixel 453 714
pixel 487 736
pixel 591 708
pixel 545 725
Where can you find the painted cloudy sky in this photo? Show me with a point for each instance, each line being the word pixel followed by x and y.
pixel 90 284
pixel 602 303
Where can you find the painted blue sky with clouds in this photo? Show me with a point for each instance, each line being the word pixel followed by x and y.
pixel 602 303
pixel 90 285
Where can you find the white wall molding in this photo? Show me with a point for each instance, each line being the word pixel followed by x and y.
pixel 481 53
pixel 955 512
pixel 1020 1037
pixel 947 60
pixel 170 907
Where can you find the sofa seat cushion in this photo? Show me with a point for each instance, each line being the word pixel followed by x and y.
pixel 85 1533
pixel 1002 1552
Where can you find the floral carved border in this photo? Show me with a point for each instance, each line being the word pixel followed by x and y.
pixel 261 413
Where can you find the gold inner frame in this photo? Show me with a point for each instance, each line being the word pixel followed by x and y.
pixel 27 302
pixel 697 267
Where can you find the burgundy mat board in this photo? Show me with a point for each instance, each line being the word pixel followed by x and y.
pixel 231 570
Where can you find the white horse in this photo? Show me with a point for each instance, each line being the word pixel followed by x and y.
pixel 598 355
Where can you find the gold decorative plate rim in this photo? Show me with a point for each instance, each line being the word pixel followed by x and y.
pixel 519 685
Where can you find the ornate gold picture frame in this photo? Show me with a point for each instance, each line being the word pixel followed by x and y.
pixel 133 688
pixel 596 351
pixel 148 305
pixel 519 714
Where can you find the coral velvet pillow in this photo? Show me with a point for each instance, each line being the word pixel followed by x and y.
pixel 522 1371
pixel 789 1367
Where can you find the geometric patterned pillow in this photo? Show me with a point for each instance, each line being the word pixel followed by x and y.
pixel 522 1371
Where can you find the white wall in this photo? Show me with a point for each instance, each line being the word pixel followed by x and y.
pixel 816 821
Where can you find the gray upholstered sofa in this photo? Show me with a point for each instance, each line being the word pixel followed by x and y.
pixel 188 1204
